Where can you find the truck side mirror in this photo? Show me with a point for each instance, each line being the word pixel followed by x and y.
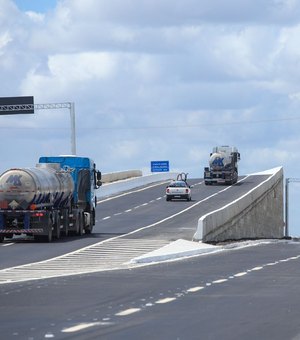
pixel 98 177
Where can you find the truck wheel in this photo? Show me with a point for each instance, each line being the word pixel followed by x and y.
pixel 80 224
pixel 1 238
pixel 49 237
pixel 57 226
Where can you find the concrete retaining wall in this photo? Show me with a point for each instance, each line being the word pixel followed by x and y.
pixel 257 214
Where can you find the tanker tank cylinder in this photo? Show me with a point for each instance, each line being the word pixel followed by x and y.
pixel 22 188
pixel 219 160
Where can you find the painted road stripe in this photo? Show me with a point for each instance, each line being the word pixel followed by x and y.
pixel 82 326
pixel 195 289
pixel 128 311
pixel 166 300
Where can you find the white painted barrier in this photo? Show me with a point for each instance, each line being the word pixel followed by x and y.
pixel 213 221
pixel 117 176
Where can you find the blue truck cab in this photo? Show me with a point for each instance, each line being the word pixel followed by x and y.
pixel 86 180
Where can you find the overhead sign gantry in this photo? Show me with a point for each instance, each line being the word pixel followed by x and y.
pixel 25 105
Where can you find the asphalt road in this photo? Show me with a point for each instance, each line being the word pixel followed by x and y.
pixel 136 210
pixel 245 293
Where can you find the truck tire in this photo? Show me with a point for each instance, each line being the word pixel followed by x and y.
pixel 80 221
pixel 89 227
pixel 48 238
pixel 1 238
pixel 57 226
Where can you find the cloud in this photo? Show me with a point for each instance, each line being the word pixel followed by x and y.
pixel 154 80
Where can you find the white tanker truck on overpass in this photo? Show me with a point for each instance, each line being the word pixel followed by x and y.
pixel 55 197
pixel 223 165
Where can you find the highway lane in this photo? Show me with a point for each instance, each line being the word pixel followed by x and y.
pixel 247 293
pixel 129 212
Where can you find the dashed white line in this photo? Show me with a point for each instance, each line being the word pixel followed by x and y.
pixel 82 326
pixel 165 300
pixel 240 274
pixel 195 289
pixel 220 281
pixel 106 218
pixel 128 311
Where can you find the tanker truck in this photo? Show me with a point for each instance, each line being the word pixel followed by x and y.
pixel 54 198
pixel 223 166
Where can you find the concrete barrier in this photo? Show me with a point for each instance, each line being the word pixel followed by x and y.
pixel 120 175
pixel 123 185
pixel 257 214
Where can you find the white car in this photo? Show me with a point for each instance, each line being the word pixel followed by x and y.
pixel 178 190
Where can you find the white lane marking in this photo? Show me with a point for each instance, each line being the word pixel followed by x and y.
pixel 220 281
pixel 82 326
pixel 144 204
pixel 117 214
pixel 128 210
pixel 128 311
pixel 7 244
pixel 106 218
pixel 195 289
pixel 165 300
pixel 240 274
pixel 131 192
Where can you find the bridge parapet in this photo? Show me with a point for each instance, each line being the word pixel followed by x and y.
pixel 257 214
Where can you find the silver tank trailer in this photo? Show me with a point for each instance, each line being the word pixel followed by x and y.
pixel 219 161
pixel 47 183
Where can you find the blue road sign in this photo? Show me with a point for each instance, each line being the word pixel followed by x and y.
pixel 160 166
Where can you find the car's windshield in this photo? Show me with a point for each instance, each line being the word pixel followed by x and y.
pixel 177 184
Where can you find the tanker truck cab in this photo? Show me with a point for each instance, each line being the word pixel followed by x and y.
pixel 86 180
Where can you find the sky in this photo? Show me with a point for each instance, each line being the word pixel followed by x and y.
pixel 154 80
